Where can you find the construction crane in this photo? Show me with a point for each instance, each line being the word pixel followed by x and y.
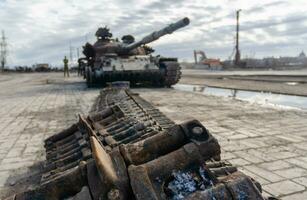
pixel 201 53
pixel 203 60
pixel 3 51
pixel 238 54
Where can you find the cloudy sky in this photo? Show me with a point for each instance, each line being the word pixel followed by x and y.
pixel 41 30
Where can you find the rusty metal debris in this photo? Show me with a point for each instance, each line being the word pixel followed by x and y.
pixel 109 60
pixel 127 149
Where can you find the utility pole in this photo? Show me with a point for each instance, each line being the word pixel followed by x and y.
pixel 78 53
pixel 70 54
pixel 237 55
pixel 3 51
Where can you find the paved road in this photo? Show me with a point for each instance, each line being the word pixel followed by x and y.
pixel 33 107
pixel 267 143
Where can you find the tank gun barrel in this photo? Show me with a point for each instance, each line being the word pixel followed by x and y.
pixel 157 34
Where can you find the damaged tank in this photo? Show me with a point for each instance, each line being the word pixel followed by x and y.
pixel 109 60
pixel 128 149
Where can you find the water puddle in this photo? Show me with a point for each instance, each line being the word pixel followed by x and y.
pixel 251 96
pixel 291 83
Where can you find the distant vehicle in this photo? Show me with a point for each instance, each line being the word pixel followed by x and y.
pixel 42 67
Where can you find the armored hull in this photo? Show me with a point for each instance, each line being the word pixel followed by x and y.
pixel 127 149
pixel 109 60
pixel 158 74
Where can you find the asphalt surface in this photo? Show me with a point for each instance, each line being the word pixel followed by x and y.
pixel 266 142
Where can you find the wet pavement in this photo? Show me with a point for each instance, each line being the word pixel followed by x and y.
pixel 268 143
pixel 280 82
pixel 264 98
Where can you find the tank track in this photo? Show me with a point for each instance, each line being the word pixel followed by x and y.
pixel 127 149
pixel 172 74
pixel 135 77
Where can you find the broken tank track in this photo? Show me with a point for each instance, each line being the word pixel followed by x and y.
pixel 127 149
pixel 172 74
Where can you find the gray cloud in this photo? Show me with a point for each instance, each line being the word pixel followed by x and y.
pixel 41 31
pixel 263 7
pixel 300 17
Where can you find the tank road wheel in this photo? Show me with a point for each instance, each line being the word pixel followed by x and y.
pixel 89 77
pixel 172 73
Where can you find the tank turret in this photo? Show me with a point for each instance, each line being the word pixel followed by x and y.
pixel 157 34
pixel 105 46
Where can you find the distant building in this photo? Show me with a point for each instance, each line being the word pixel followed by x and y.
pixel 294 61
pixel 272 62
pixel 302 55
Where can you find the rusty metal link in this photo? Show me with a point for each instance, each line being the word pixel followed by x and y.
pixel 65 151
pixel 127 149
pixel 137 112
pixel 114 125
